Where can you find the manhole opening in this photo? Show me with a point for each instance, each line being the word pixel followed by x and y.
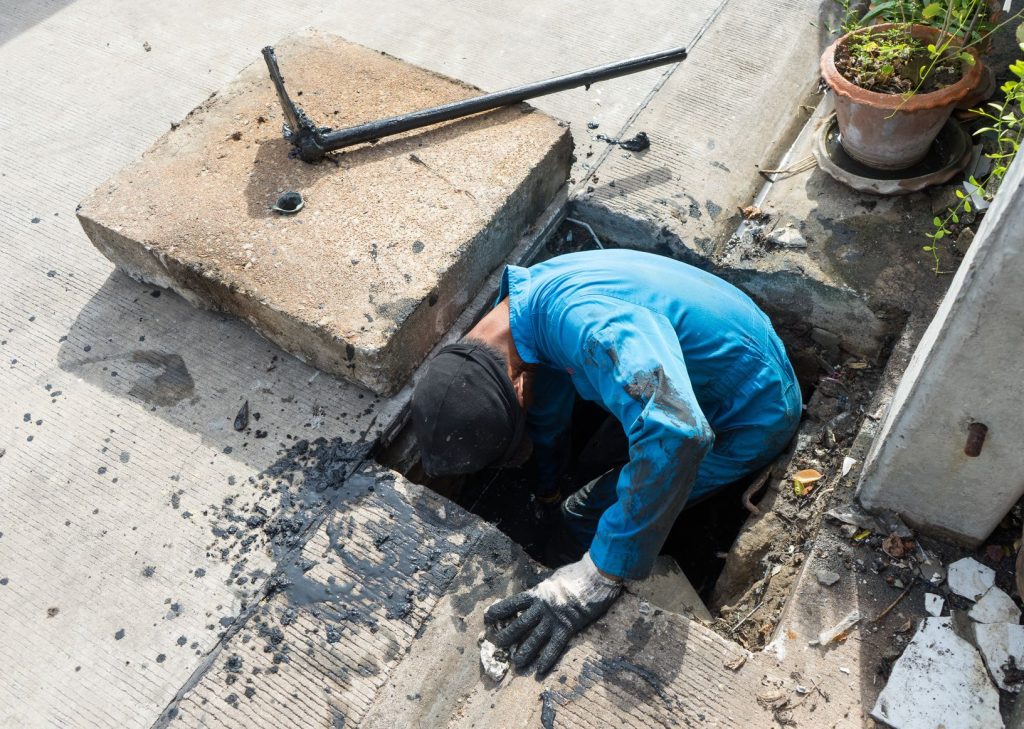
pixel 698 540
pixel 704 535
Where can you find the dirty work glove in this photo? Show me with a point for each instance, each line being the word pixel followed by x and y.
pixel 552 612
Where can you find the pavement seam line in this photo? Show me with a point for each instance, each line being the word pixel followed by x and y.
pixel 602 156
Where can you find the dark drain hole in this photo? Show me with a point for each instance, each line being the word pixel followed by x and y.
pixel 702 533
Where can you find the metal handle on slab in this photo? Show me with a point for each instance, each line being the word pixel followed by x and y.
pixel 313 142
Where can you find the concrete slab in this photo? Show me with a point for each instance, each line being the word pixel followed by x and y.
pixel 394 238
pixel 711 126
pixel 919 466
pixel 668 588
pixel 382 631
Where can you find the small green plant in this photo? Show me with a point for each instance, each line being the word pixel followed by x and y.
pixel 894 62
pixel 1006 129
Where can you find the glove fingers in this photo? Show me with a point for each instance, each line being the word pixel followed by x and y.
pixel 560 636
pixel 530 647
pixel 507 608
pixel 520 626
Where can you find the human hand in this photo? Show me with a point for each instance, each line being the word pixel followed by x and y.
pixel 546 617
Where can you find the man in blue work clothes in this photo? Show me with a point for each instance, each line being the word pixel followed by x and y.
pixel 687 364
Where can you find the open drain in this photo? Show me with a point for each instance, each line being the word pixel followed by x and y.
pixel 948 155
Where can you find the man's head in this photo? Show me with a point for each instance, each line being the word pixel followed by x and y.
pixel 467 413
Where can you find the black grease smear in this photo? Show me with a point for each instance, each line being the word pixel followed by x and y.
pixel 638 143
pixel 169 386
pixel 547 711
pixel 242 419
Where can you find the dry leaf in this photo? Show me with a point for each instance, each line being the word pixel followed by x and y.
pixel 803 481
pixel 893 546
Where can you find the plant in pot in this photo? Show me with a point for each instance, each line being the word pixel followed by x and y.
pixel 895 86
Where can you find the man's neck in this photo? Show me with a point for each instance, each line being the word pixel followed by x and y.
pixel 495 329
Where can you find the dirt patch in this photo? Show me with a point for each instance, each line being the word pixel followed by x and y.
pixel 763 563
pixel 890 62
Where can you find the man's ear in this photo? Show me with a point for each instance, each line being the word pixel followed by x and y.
pixel 522 383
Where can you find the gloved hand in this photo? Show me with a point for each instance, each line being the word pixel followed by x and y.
pixel 552 612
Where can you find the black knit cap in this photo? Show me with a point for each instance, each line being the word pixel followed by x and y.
pixel 465 412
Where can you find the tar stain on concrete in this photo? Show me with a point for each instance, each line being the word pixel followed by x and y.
pixel 168 384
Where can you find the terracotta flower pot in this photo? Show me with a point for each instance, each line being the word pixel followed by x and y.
pixel 885 131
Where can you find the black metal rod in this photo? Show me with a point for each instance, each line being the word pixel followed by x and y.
pixel 445 112
pixel 313 143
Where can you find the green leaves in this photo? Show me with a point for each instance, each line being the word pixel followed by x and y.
pixel 932 11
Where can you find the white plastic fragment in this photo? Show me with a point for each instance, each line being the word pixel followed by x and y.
pixel 933 604
pixel 995 606
pixel 969 578
pixel 827 636
pixel 494 660
pixel 848 463
pixel 939 680
pixel 998 643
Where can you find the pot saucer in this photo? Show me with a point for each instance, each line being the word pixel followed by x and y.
pixel 948 155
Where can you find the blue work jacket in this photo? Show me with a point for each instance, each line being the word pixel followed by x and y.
pixel 686 362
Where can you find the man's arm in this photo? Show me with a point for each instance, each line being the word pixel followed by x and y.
pixel 634 364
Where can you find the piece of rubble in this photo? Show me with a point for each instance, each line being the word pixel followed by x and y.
pixel 939 680
pixel 885 522
pixel 931 569
pixel 827 577
pixel 494 660
pixel 848 463
pixel 969 578
pixel 827 636
pixel 933 604
pixel 788 237
pixel 1002 646
pixel 995 606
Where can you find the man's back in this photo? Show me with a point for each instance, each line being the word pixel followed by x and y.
pixel 724 338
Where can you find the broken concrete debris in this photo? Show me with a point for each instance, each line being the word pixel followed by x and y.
pixel 788 237
pixel 995 606
pixel 969 578
pixel 990 628
pixel 938 681
pixel 827 577
pixel 494 660
pixel 1002 646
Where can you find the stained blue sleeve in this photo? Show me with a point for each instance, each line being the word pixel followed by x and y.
pixel 632 362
